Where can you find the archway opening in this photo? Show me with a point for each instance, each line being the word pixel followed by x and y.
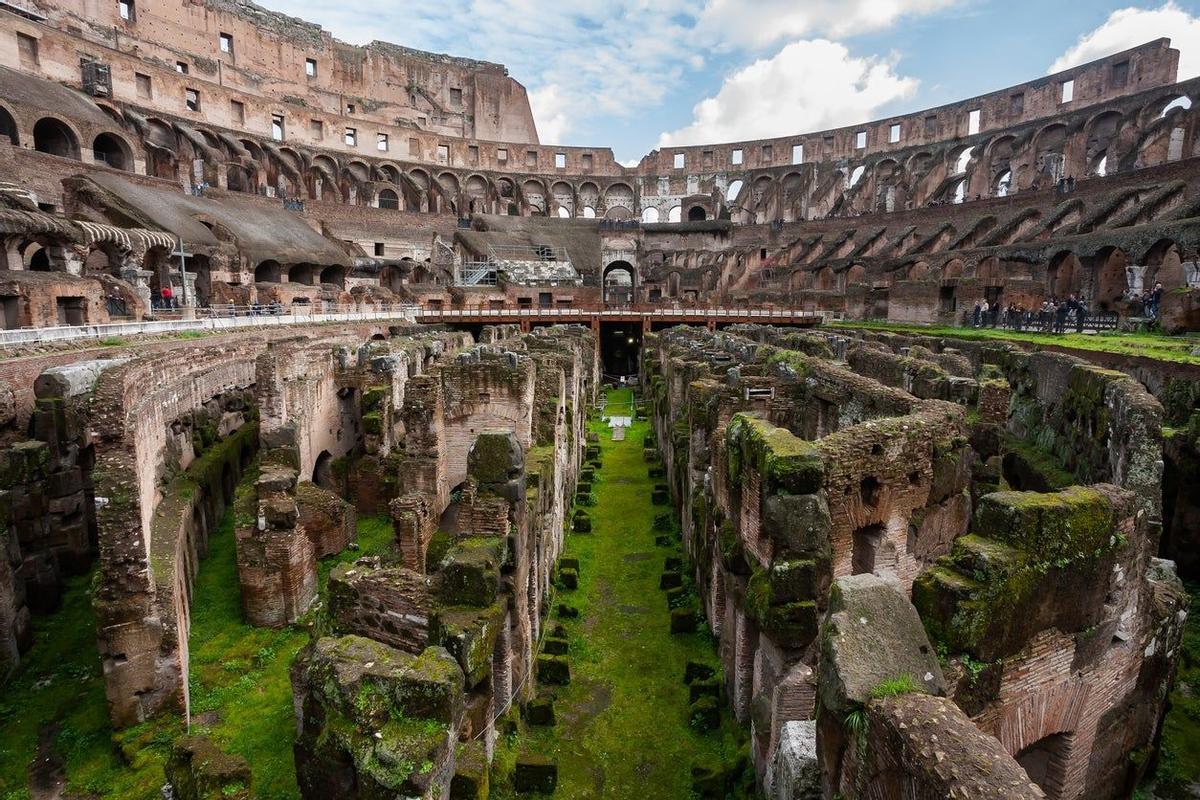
pixel 8 127
pixel 268 272
pixel 323 471
pixel 334 275
pixel 52 136
pixel 619 283
pixel 1045 762
pixel 620 343
pixel 697 214
pixel 108 149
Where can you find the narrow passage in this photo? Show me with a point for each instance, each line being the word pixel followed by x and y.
pixel 622 724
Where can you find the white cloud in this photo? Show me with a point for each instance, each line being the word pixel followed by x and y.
pixel 806 86
pixel 1129 27
pixel 549 113
pixel 594 61
pixel 760 23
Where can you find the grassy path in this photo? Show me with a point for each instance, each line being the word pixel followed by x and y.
pixel 622 724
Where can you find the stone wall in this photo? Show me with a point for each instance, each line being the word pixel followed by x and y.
pixel 792 472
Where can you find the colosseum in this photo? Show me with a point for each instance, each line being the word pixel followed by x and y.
pixel 356 444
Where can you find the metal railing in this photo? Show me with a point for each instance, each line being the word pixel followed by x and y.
pixel 212 319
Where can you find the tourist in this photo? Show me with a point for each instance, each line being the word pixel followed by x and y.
pixel 168 299
pixel 975 315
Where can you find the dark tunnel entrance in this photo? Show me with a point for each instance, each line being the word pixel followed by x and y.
pixel 620 344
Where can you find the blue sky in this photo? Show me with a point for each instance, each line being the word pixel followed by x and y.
pixel 638 74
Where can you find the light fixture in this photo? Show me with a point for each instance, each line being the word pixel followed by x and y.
pixel 631 340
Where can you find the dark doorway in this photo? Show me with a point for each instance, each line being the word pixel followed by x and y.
pixel 871 551
pixel 697 214
pixel 323 471
pixel 10 312
pixel 72 311
pixel 620 345
pixel 1045 762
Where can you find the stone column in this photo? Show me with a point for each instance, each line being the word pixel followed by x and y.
pixel 1135 277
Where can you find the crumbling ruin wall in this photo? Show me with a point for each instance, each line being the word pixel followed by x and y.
pixel 792 472
pixel 166 462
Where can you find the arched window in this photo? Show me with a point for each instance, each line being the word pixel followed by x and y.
pixel 389 199
pixel 675 214
pixel 856 176
pixel 960 191
pixel 1004 183
pixel 52 136
pixel 268 271
pixel 110 150
pixel 650 215
pixel 732 192
pixel 697 214
pixel 589 212
pixel 564 212
pixel 8 127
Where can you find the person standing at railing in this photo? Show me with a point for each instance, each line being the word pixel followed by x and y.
pixel 168 299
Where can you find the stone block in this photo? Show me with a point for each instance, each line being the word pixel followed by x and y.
pixel 569 563
pixel 706 687
pixel 674 563
pixel 670 580
pixel 565 611
pixel 664 540
pixel 470 781
pixel 469 634
pixel 555 646
pixel 872 635
pixel 198 770
pixel 664 521
pixel 696 671
pixel 568 579
pixel 540 710
pixel 535 773
pixel 553 670
pixel 470 573
pixel 683 620
pixel 660 496
pixel 704 715
pixel 581 523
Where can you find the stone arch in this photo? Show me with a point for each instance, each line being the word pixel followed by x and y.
pixel 675 214
pixel 359 170
pixel 533 192
pixel 1162 106
pixel 322 474
pixel 334 274
pixel 697 214
pixel 304 274
pixel 1049 150
pixel 649 215
pixel 113 150
pixel 564 197
pixel 619 195
pixel 8 127
pixel 53 136
pixel 1111 279
pixel 952 270
pixel 1164 264
pixel 387 198
pixel 268 271
pixel 824 279
pixel 619 281
pixel 1064 275
pixel 1101 133
pixel 856 275
pixel 733 190
pixel 389 173
pixel 918 271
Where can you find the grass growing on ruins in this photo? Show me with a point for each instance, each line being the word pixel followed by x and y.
pixel 1179 761
pixel 240 690
pixel 1149 345
pixel 622 724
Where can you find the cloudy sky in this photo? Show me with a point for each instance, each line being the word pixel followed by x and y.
pixel 641 74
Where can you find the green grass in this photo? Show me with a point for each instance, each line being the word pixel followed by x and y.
pixel 1149 345
pixel 240 690
pixel 1179 760
pixel 622 727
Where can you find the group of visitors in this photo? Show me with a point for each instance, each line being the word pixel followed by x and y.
pixel 1147 300
pixel 1052 316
